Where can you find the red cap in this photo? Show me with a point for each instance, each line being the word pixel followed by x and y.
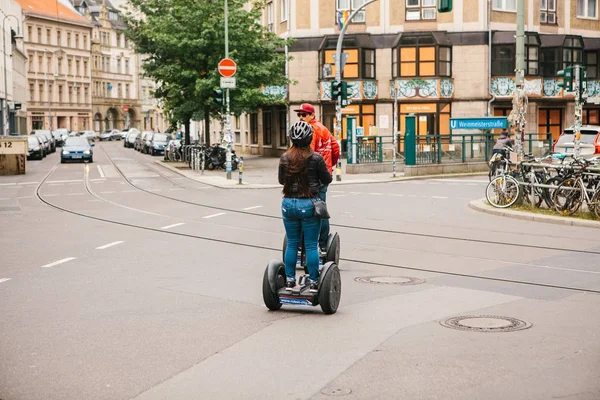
pixel 307 108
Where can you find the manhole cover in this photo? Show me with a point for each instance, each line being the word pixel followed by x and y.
pixel 390 280
pixel 336 392
pixel 485 323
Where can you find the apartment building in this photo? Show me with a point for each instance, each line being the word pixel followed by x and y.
pixel 57 44
pixel 457 64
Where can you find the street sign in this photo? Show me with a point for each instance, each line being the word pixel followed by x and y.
pixel 344 59
pixel 360 131
pixel 227 67
pixel 479 123
pixel 227 83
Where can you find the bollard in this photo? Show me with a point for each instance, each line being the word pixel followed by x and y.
pixel 203 157
pixel 241 168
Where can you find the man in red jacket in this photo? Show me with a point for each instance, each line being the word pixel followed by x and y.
pixel 326 145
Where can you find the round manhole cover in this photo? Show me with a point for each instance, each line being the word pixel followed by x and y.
pixel 390 280
pixel 485 323
pixel 336 392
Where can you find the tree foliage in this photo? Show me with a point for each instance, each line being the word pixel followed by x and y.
pixel 183 42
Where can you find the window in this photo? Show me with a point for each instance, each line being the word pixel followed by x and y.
pixel 283 137
pixel 587 9
pixel 550 121
pixel 85 68
pixel 113 16
pixel 368 64
pixel 39 35
pixel 119 65
pixel 30 33
pixel 41 92
pixel 58 39
pixel 548 12
pixel 39 68
pixel 503 60
pixel 85 46
pixel 77 73
pixel 60 94
pixel 532 47
pixel 504 5
pixel 86 93
pixel 49 65
pixel 269 12
pixel 127 90
pixel 69 65
pixel 351 5
pixel 591 116
pixel 70 95
pixel 419 55
pixel 48 36
pixel 126 67
pixel 31 92
pixel 68 40
pixel 120 91
pixel 103 38
pixel 591 64
pixel 76 40
pixel 254 128
pixel 351 69
pixel 417 10
pixel 283 7
pixel 267 128
pixel 549 61
pixel 572 52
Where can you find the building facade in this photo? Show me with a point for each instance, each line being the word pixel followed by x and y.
pixel 57 45
pixel 439 65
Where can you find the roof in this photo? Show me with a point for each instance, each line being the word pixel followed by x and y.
pixel 51 9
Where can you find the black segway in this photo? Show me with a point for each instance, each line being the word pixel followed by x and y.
pixel 332 252
pixel 328 296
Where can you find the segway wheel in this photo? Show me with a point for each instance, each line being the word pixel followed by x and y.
pixel 330 290
pixel 273 280
pixel 333 248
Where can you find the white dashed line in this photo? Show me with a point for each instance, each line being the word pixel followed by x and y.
pixel 376 194
pixel 75 194
pixel 100 171
pixel 66 181
pixel 354 192
pixel 51 195
pixel 338 195
pixel 397 195
pixel 108 191
pixel 251 208
pixel 8 184
pixel 111 244
pixel 177 189
pixel 25 197
pixel 439 197
pixel 173 226
pixel 4 280
pixel 214 215
pixel 28 183
pixel 64 260
pixel 99 180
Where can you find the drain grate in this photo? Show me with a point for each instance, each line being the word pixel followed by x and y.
pixel 390 280
pixel 485 323
pixel 336 392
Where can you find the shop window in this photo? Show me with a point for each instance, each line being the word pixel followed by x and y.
pixel 591 64
pixel 548 12
pixel 550 121
pixel 587 9
pixel 432 118
pixel 417 10
pixel 591 116
pixel 505 5
pixel 351 5
pixel 283 137
pixel 572 52
pixel 254 128
pixel 267 128
pixel 419 55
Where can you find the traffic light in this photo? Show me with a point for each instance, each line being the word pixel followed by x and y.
pixel 218 97
pixel 582 82
pixel 567 82
pixel 444 6
pixel 340 90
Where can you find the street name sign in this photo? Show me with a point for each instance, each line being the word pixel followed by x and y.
pixel 227 83
pixel 479 123
pixel 227 67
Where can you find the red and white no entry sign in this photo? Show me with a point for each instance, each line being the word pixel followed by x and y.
pixel 227 67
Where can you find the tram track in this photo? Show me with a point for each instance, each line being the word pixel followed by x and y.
pixel 359 228
pixel 41 198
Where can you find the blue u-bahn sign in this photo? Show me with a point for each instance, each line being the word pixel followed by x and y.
pixel 479 123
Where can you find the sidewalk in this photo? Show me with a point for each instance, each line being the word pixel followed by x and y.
pixel 261 173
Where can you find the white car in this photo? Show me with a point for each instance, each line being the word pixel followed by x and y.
pixel 110 134
pixel 589 141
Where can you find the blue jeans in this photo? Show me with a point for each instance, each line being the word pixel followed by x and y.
pixel 299 218
pixel 324 235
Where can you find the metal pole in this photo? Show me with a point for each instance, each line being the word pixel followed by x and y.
pixel 578 113
pixel 5 111
pixel 395 128
pixel 228 137
pixel 241 168
pixel 520 72
pixel 338 78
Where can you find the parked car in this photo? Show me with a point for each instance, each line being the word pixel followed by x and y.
pixel 144 145
pixel 77 149
pixel 158 143
pixel 127 131
pixel 60 135
pixel 110 134
pixel 45 143
pixel 589 141
pixel 35 147
pixel 129 140
pixel 48 135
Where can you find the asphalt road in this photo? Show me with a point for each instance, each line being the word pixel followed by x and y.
pixel 149 287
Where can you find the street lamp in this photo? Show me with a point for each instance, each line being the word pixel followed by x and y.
pixel 5 126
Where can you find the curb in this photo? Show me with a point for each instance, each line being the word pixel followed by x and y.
pixel 206 181
pixel 482 206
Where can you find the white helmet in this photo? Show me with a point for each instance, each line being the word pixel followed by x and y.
pixel 301 133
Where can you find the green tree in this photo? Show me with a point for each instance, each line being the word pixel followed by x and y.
pixel 183 42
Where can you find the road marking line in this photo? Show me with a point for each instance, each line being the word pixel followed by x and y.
pixel 100 171
pixel 99 180
pixel 177 189
pixel 108 191
pixel 5 198
pixel 51 195
pixel 111 244
pixel 439 197
pixel 214 215
pixel 75 194
pixel 28 183
pixel 8 184
pixel 354 192
pixel 339 195
pixel 64 260
pixel 251 208
pixel 66 181
pixel 376 194
pixel 25 197
pixel 398 195
pixel 173 226
pixel 337 191
pixel 4 280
